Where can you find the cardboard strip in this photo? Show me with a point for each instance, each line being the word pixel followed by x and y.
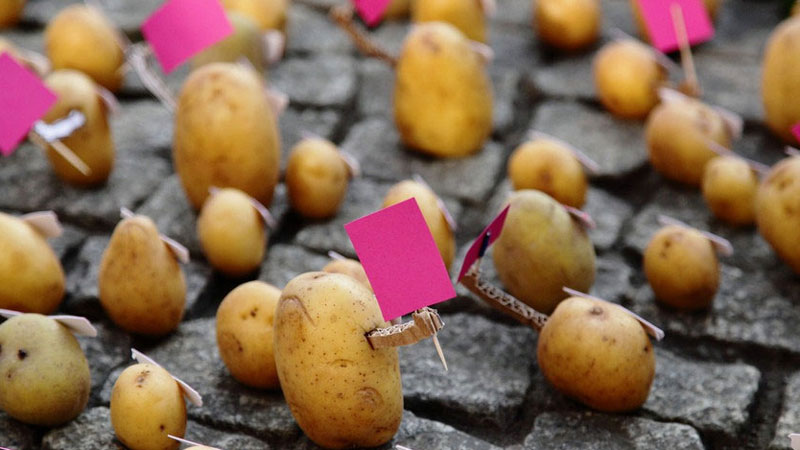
pixel 274 46
pixel 45 222
pixel 424 324
pixel 79 326
pixel 721 150
pixel 442 207
pixel 180 252
pixel 61 128
pixel 791 151
pixel 486 52
pixel 337 256
pixel 651 329
pixel 192 395
pixel 352 163
pixel 188 442
pixel 721 245
pixel 581 216
pixel 588 163
pixel 138 58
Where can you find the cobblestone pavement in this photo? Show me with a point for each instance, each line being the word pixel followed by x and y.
pixel 726 378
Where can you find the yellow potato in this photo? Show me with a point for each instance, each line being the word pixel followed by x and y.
pixel 141 285
pixel 729 188
pixel 146 406
pixel 541 250
pixel 10 12
pixel 712 6
pixel 780 82
pixel 547 165
pixel 245 333
pixel 316 178
pixel 681 265
pixel 31 276
pixel 341 392
pixel 778 210
pixel 226 134
pixel 92 142
pixel 567 24
pixel 442 93
pixel 466 15
pixel 397 9
pixel 678 134
pixel 598 354
pixel 45 375
pixel 81 38
pixel 269 14
pixel 232 233
pixel 796 8
pixel 349 267
pixel 627 77
pixel 434 216
pixel 247 41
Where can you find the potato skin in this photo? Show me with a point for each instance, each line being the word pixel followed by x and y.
pixel 269 14
pixel 729 189
pixel 147 405
pixel 225 134
pixel 567 24
pixel 546 165
pixel 682 268
pixel 245 320
pixel 541 250
pixel 31 276
pixel 82 38
pixel 341 392
pixel 429 206
pixel 141 285
pixel 316 178
pixel 627 77
pixel 780 82
pixel 598 354
pixel 466 15
pixel 92 142
pixel 349 267
pixel 778 210
pixel 45 374
pixel 10 12
pixel 442 94
pixel 232 233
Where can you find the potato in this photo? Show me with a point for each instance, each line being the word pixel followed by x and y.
pixel 547 165
pixel 147 405
pixel 627 77
pixel 712 6
pixel 466 15
pixel 442 94
pixel 349 267
pixel 247 41
pixel 141 285
pixel 31 276
pixel 92 142
pixel 269 14
pixel 397 9
pixel 780 82
pixel 778 210
pixel 681 265
pixel 232 233
pixel 541 250
pixel 226 134
pixel 677 134
pixel 434 216
pixel 598 354
pixel 795 8
pixel 341 392
pixel 245 333
pixel 81 38
pixel 316 178
pixel 729 188
pixel 10 12
pixel 567 24
pixel 45 375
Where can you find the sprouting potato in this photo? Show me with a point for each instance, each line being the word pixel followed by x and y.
pixel 269 14
pixel 316 178
pixel 567 24
pixel 466 15
pixel 10 12
pixel 729 188
pixel 780 82
pixel 778 210
pixel 349 267
pixel 246 41
pixel 547 165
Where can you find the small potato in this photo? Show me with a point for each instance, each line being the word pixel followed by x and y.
pixel 627 77
pixel 349 267
pixel 729 188
pixel 342 392
pixel 45 374
pixel 567 24
pixel 31 276
pixel 81 38
pixel 147 405
pixel 778 210
pixel 10 12
pixel 466 15
pixel 598 354
pixel 245 333
pixel 316 178
pixel 547 165
pixel 246 41
pixel 681 265
pixel 269 14
pixel 232 233
pixel 780 80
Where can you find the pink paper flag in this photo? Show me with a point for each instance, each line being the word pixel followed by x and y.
pixel 371 11
pixel 24 99
pixel 495 228
pixel 796 131
pixel 657 16
pixel 401 259
pixel 179 29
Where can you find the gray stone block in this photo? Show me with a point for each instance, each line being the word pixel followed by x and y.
pixel 294 124
pixel 71 238
pixel 516 12
pixel 141 128
pixel 612 279
pixel 15 434
pixel 82 279
pixel 172 214
pixel 377 89
pixel 323 81
pixel 284 262
pixel 505 89
pixel 610 213
pixel 732 82
pixel 311 31
pixel 105 352
pixel 789 420
pixel 92 430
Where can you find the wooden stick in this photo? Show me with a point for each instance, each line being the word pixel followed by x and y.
pixel 62 150
pixel 343 16
pixel 692 85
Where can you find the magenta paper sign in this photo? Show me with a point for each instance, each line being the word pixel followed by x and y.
pixel 371 11
pixel 796 131
pixel 401 259
pixel 657 15
pixel 494 228
pixel 24 99
pixel 179 29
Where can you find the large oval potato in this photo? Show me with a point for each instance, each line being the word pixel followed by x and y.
pixel 567 24
pixel 342 392
pixel 780 82
pixel 729 189
pixel 778 210
pixel 269 14
pixel 31 276
pixel 547 165
pixel 627 77
pixel 466 15
pixel 10 12
pixel 316 178
pixel 226 134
